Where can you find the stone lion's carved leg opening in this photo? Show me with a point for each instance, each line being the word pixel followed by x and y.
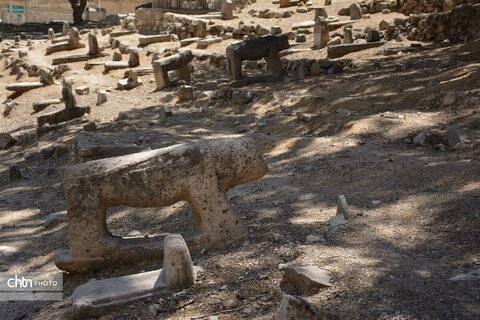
pixel 144 223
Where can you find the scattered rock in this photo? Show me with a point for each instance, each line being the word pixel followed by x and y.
pixel 54 219
pixel 185 92
pixel 6 140
pixel 306 280
pixel 83 90
pixel 311 238
pixel 456 135
pixel 155 309
pixel 90 127
pixel 333 224
pixel 419 139
pixel 122 116
pixel 296 308
pixel 449 99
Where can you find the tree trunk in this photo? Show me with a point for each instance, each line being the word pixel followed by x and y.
pixel 78 7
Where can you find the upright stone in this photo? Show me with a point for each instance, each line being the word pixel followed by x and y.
pixel 292 308
pixel 321 36
pixel 177 264
pixel 46 76
pixel 373 35
pixel 355 11
pixel 320 12
pixel 117 56
pixel 74 37
pixel 65 28
pixel 93 48
pixel 342 207
pixel 134 58
pixel 67 93
pixel 348 36
pixel 51 34
pixel 227 10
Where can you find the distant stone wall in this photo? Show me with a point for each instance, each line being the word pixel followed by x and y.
pixel 430 6
pixel 154 21
pixel 460 24
pixel 43 15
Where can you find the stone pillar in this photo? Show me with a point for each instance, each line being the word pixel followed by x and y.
pixel 321 36
pixel 227 10
pixel 348 36
pixel 65 28
pixel 74 38
pixel 93 48
pixel 134 58
pixel 51 34
pixel 355 11
pixel 177 263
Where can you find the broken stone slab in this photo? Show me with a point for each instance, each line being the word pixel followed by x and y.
pixel 130 82
pixel 396 50
pixel 344 49
pixel 90 65
pixel 342 207
pixel 6 140
pixel 23 86
pixel 204 43
pixel 77 58
pixel 98 297
pixel 188 41
pixel 296 308
pixel 62 115
pixel 140 71
pixel 456 135
pixel 114 65
pixel 117 34
pixel 199 173
pixel 40 105
pixel 306 280
pixel 339 24
pixel 146 40
pixel 61 39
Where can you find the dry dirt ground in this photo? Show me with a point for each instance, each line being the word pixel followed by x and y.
pixel 417 218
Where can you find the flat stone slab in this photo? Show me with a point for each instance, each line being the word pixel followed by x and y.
pixel 338 24
pixel 23 86
pixel 77 57
pixel 146 40
pixel 140 71
pixel 40 105
pixel 340 50
pixel 306 280
pixel 393 51
pixel 63 46
pixel 122 33
pixel 95 298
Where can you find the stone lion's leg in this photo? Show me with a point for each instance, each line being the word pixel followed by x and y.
pixel 274 63
pixel 87 233
pixel 213 214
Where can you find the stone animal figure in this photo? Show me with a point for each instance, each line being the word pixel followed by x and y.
pixel 266 47
pixel 199 173
pixel 178 62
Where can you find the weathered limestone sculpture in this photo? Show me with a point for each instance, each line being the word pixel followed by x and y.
pixel 266 47
pixel 199 173
pixel 71 110
pixel 178 62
